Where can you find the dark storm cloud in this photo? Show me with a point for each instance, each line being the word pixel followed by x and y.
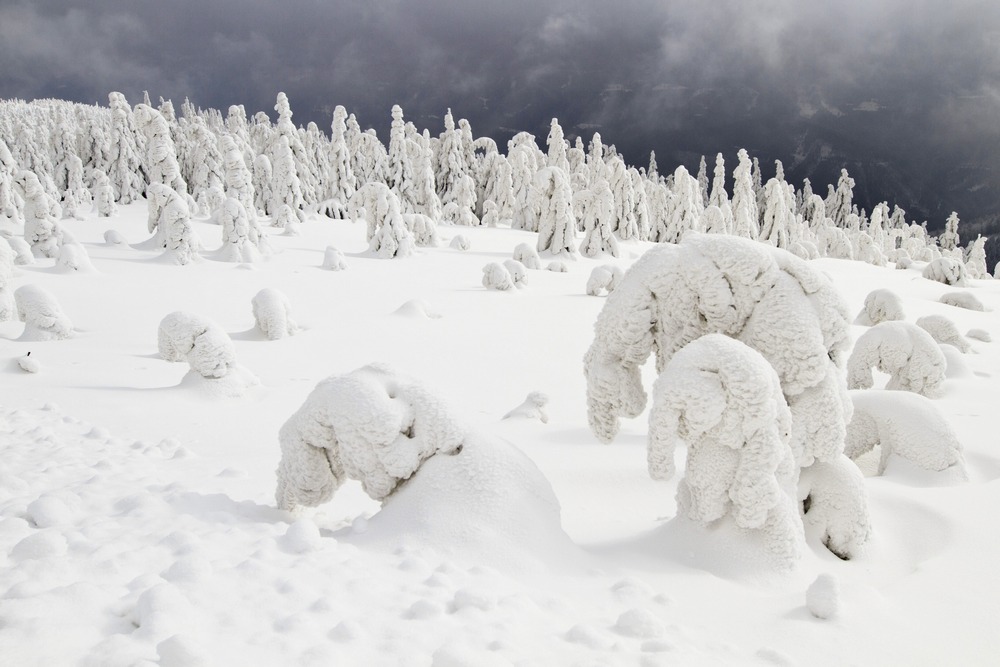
pixel 905 93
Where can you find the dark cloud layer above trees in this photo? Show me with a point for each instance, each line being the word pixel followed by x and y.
pixel 905 93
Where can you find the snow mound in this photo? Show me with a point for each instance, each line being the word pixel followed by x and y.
pixel 889 424
pixel 532 408
pixel 27 364
pixel 823 596
pixel 881 305
pixel 965 300
pixel 944 331
pixel 272 314
pixel 333 259
pixel 979 334
pixel 115 238
pixel 497 277
pixel 418 310
pixel 73 257
pixel 460 242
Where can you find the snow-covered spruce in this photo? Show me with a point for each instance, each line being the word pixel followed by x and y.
pixel 170 223
pixel 902 350
pixel 42 230
pixel 387 234
pixel 423 229
pixel 286 219
pixel 881 305
pixel 944 331
pixel 202 343
pixel 527 256
pixel 946 270
pixel 333 259
pixel 370 425
pixel 965 300
pixel 518 272
pixel 460 242
pixel 723 401
pixel 43 318
pixel 532 408
pixel 272 313
pixel 603 279
pixel 7 257
pixel 497 277
pixel 237 243
pixel 906 425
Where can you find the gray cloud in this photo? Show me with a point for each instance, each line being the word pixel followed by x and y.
pixel 906 93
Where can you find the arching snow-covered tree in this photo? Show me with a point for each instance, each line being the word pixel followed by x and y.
pixel 768 299
pixel 43 318
pixel 554 202
pixel 944 332
pixel 946 270
pixel 722 401
pixel 902 350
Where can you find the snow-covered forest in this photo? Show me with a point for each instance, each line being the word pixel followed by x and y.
pixel 286 395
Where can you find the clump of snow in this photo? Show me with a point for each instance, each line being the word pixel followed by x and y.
pixel 27 364
pixel 417 309
pixel 557 267
pixel 979 334
pixel 73 257
pixel 370 425
pixel 22 251
pixel 944 331
pixel 527 256
pixel 823 596
pixel 302 536
pixel 723 401
pixel 906 425
pixel 114 237
pixel 43 318
pixel 423 228
pixel 532 408
pixel 497 277
pixel 966 300
pixel 272 314
pixel 197 340
pixel 835 506
pixel 946 270
pixel 333 259
pixel 518 272
pixel 881 305
pixel 603 279
pixel 640 623
pixel 460 242
pixel 904 351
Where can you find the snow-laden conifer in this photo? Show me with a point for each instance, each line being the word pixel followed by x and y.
pixel 902 350
pixel 881 305
pixel 553 199
pixel 944 331
pixel 41 313
pixel 272 313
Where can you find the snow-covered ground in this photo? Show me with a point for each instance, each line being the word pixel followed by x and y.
pixel 138 523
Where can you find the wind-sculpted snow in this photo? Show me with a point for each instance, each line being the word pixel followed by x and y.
pixel 370 425
pixel 881 305
pixel 722 401
pixel 905 425
pixel 902 350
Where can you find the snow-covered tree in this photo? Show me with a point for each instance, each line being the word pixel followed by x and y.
pixel 554 202
pixel 42 230
pixel 124 162
pixel 11 204
pixel 703 182
pixel 399 175
pixel 557 148
pixel 904 425
pixel 272 313
pixel 237 242
pixel 597 220
pixel 161 164
pixel 170 223
pixel 881 305
pixel 744 203
pixel 840 208
pixel 722 401
pixel 342 183
pixel 946 270
pixel 285 185
pixel 387 233
pixel 902 350
pixel 975 263
pixel 604 279
pixel 949 239
pixel 183 336
pixel 944 332
pixel 497 277
pixel 623 219
pixel 43 318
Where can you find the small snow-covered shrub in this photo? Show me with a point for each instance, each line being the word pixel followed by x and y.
pixel 518 273
pixel 903 350
pixel 903 260
pixel 272 314
pixel 723 401
pixel 604 279
pixel 906 425
pixel 460 242
pixel 965 300
pixel 43 318
pixel 238 244
pixel 73 257
pixel 532 408
pixel 979 334
pixel 944 331
pixel 423 229
pixel 946 270
pixel 881 305
pixel 333 259
pixel 370 425
pixel 286 219
pixel 114 237
pixel 496 276
pixel 528 256
pixel 557 267
pixel 835 506
pixel 22 251
pixel 199 341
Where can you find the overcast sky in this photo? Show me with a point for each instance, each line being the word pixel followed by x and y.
pixel 905 92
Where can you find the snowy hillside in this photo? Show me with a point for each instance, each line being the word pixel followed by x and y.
pixel 139 520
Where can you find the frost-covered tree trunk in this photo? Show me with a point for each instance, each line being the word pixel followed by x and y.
pixel 554 201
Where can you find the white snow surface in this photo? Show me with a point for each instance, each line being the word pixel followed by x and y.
pixel 138 523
